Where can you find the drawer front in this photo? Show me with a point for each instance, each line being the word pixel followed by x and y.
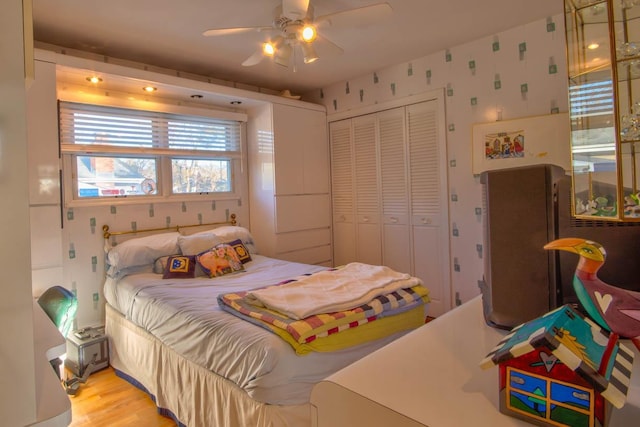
pixel 287 242
pixel 319 255
pixel 302 212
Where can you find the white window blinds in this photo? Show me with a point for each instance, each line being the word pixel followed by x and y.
pixel 91 125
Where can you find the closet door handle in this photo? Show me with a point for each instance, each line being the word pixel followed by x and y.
pixel 393 220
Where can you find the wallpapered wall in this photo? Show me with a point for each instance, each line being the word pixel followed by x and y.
pixel 83 256
pixel 513 74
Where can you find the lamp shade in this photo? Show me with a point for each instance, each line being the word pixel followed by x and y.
pixel 309 53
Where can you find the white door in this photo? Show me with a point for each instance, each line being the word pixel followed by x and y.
pixel 344 231
pixel 429 205
pixel 394 191
pixel 368 238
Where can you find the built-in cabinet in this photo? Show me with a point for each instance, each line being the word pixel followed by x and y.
pixel 44 179
pixel 389 193
pixel 290 204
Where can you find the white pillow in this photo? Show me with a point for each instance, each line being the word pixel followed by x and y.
pixel 197 243
pixel 228 233
pixel 141 251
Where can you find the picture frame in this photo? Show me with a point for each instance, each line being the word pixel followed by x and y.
pixel 522 142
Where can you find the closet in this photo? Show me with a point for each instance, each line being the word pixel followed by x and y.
pixel 389 186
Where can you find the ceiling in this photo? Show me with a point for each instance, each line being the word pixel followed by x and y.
pixel 168 34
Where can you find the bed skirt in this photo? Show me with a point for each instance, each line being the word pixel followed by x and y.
pixel 195 396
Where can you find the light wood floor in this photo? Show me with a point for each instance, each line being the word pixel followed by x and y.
pixel 107 400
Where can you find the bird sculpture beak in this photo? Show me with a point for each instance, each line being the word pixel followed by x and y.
pixel 568 244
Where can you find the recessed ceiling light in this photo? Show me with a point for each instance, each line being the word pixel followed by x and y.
pixel 593 46
pixel 94 79
pixel 235 102
pixel 149 89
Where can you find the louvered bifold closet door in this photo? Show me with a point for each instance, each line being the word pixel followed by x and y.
pixel 368 238
pixel 396 249
pixel 342 188
pixel 427 187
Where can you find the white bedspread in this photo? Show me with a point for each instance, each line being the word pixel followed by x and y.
pixel 332 290
pixel 184 314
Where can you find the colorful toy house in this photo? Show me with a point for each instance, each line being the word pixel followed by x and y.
pixel 561 369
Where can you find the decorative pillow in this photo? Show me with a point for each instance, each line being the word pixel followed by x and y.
pixel 141 251
pixel 161 264
pixel 243 254
pixel 219 261
pixel 233 232
pixel 197 243
pixel 180 267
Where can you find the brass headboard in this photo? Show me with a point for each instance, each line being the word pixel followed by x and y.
pixel 106 233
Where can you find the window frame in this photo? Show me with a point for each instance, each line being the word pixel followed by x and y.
pixel 69 153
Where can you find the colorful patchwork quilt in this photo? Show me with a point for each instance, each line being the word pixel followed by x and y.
pixel 322 325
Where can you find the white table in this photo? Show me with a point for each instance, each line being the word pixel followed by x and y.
pixel 53 407
pixel 431 377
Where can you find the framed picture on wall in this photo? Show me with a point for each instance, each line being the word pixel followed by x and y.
pixel 521 142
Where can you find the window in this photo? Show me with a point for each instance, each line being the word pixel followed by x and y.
pixel 123 153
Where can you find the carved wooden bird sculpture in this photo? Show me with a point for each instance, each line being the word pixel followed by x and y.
pixel 614 309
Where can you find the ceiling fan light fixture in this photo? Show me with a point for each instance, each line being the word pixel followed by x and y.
pixel 268 49
pixel 282 55
pixel 308 33
pixel 309 53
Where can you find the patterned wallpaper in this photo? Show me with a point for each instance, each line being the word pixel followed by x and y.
pixel 517 73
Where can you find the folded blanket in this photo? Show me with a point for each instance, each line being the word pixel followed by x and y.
pixel 320 325
pixel 331 290
pixel 382 327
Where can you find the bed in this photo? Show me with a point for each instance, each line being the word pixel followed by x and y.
pixel 180 333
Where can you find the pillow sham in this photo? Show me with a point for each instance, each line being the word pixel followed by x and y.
pixel 219 261
pixel 141 251
pixel 161 263
pixel 180 267
pixel 197 243
pixel 243 254
pixel 232 232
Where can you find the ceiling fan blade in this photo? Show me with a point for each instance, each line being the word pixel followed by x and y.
pixel 254 59
pixel 360 16
pixel 295 9
pixel 326 48
pixel 236 30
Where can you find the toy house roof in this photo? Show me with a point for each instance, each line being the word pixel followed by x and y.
pixel 577 342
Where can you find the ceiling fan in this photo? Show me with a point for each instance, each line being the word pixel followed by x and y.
pixel 294 27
